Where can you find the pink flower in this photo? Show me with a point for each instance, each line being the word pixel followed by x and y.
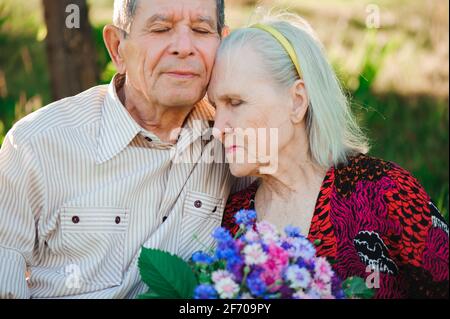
pixel 254 254
pixel 270 279
pixel 277 261
pixel 226 288
pixel 323 288
pixel 278 255
pixel 218 275
pixel 251 236
pixel 267 231
pixel 323 270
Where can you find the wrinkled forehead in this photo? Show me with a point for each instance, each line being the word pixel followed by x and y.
pixel 176 10
pixel 235 69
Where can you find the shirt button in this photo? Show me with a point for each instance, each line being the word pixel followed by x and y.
pixel 75 219
pixel 117 220
pixel 198 203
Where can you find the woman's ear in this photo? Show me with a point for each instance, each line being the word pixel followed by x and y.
pixel 300 102
pixel 113 36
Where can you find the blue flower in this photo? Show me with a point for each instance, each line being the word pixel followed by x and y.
pixel 222 235
pixel 292 231
pixel 245 217
pixel 226 250
pixel 202 258
pixel 256 286
pixel 205 292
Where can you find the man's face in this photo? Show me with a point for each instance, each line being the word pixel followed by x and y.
pixel 170 50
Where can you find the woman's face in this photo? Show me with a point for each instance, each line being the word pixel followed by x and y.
pixel 252 113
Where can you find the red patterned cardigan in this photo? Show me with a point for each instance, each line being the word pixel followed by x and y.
pixel 373 212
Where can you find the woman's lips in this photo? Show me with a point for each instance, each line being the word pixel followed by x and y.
pixel 231 149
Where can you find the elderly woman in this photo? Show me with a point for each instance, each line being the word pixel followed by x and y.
pixel 364 213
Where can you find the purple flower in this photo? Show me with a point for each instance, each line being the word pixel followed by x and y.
pixel 301 248
pixel 286 246
pixel 235 265
pixel 336 287
pixel 202 258
pixel 286 292
pixel 292 231
pixel 308 264
pixel 298 277
pixel 256 285
pixel 245 217
pixel 205 292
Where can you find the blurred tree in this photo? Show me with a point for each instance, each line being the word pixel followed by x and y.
pixel 71 53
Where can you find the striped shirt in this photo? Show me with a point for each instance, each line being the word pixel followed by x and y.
pixel 84 187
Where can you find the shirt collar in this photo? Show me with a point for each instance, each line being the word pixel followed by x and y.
pixel 118 128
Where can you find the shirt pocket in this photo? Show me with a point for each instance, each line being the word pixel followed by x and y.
pixel 202 213
pixel 93 239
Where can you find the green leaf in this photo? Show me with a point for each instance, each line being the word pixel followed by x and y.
pixel 204 278
pixel 355 287
pixel 332 261
pixel 149 295
pixel 168 276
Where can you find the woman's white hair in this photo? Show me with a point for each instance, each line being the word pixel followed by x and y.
pixel 332 130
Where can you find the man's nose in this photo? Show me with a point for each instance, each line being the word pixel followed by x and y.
pixel 182 45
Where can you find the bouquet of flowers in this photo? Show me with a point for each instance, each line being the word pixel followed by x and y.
pixel 258 262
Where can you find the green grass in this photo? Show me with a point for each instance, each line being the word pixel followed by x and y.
pixel 394 76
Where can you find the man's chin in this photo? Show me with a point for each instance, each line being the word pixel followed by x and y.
pixel 182 102
pixel 180 99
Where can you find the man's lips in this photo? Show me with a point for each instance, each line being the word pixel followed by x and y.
pixel 181 74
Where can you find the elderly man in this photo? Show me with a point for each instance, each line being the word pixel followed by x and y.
pixel 88 180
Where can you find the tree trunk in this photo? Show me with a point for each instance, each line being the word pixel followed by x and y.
pixel 71 54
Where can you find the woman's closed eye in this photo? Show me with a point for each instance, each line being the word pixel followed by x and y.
pixel 235 102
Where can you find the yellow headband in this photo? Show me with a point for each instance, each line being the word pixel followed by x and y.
pixel 283 41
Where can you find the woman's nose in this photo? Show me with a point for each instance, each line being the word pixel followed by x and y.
pixel 217 133
pixel 220 125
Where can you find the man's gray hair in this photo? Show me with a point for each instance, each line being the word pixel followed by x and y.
pixel 125 11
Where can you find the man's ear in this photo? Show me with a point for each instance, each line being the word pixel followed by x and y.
pixel 113 36
pixel 300 102
pixel 225 31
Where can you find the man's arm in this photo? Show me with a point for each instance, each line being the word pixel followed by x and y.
pixel 20 202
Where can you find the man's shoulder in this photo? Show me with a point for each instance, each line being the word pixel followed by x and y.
pixel 71 112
